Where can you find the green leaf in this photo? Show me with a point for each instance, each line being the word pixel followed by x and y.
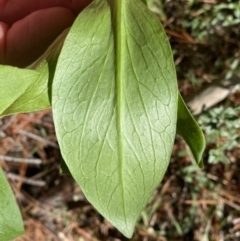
pixel 23 90
pixel 11 225
pixel 64 168
pixel 51 56
pixel 115 107
pixel 189 129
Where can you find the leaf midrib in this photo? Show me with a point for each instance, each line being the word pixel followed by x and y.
pixel 119 89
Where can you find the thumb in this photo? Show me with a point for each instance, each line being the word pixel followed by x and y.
pixel 3 32
pixel 28 38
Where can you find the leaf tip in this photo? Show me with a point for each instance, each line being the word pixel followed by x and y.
pixel 125 226
pixel 128 233
pixel 201 164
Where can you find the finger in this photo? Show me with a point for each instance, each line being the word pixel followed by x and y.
pixel 78 5
pixel 28 38
pixel 3 31
pixel 14 10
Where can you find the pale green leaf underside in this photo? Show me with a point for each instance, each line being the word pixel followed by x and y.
pixel 115 107
pixel 11 225
pixel 23 90
pixel 189 129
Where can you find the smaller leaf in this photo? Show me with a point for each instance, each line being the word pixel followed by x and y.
pixel 188 128
pixel 64 168
pixel 23 90
pixel 144 1
pixel 51 56
pixel 11 225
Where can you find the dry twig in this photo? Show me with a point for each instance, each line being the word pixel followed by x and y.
pixel 25 180
pixel 32 161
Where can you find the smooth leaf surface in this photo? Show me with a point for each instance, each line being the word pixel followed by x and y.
pixel 23 90
pixel 189 129
pixel 115 107
pixel 11 225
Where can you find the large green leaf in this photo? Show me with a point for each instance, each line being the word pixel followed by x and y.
pixel 115 107
pixel 23 90
pixel 189 129
pixel 11 225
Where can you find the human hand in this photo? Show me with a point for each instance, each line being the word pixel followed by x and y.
pixel 28 27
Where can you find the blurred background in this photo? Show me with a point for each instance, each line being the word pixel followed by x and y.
pixel 190 203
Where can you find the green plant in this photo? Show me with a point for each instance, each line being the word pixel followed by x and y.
pixel 115 103
pixel 221 126
pixel 10 217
